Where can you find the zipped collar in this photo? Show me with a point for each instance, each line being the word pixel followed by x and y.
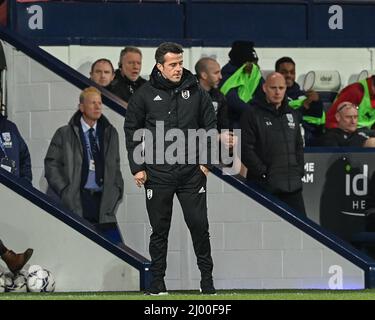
pixel 187 81
pixel 75 120
pixel 264 104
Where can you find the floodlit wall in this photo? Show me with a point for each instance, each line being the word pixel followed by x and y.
pixel 349 62
pixel 76 262
pixel 252 247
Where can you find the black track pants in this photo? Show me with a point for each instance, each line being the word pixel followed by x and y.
pixel 159 201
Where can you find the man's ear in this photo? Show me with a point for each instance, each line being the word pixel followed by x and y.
pixel 204 75
pixel 264 87
pixel 337 117
pixel 159 66
pixel 80 106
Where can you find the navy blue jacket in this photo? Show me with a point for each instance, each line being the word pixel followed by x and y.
pixel 124 87
pixel 235 105
pixel 15 148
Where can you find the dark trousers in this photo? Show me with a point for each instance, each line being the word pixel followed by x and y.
pixel 159 202
pixel 293 200
pixel 91 205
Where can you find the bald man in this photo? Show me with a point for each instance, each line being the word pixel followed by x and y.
pixel 272 145
pixel 347 133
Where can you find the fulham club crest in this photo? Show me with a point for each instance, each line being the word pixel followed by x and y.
pixel 149 194
pixel 185 94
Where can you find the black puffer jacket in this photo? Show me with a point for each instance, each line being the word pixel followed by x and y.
pixel 124 87
pixel 184 105
pixel 337 137
pixel 272 146
pixel 221 109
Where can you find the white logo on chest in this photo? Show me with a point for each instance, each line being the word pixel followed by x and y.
pixel 291 122
pixel 185 94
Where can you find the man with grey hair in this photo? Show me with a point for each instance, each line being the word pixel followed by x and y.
pixel 82 164
pixel 347 133
pixel 174 98
pixel 127 77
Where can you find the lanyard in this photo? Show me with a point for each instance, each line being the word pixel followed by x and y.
pixel 2 147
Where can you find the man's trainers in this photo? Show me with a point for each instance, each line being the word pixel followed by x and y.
pixel 157 288
pixel 207 287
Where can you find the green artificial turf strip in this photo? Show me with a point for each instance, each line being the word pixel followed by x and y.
pixel 368 294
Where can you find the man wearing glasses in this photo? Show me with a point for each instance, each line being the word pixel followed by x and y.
pixel 362 94
pixel 347 133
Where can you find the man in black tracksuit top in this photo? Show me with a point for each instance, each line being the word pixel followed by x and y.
pixel 272 146
pixel 127 78
pixel 174 98
pixel 208 73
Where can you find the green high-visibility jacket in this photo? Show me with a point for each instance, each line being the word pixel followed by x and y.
pixel 245 82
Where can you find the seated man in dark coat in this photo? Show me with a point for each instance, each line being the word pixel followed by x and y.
pixel 347 133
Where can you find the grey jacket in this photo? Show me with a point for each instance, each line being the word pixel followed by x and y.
pixel 63 168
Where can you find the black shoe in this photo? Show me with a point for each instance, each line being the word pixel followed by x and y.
pixel 157 288
pixel 207 287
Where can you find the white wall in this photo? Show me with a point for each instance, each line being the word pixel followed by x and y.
pixel 348 61
pixel 252 247
pixel 76 262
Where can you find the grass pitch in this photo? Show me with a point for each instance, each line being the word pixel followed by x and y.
pixel 368 294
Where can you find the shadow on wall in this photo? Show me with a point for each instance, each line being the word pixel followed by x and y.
pixel 85 68
pixel 43 184
pixel 118 278
pixel 341 209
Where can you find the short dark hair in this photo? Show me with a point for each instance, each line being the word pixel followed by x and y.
pixel 102 60
pixel 166 47
pixel 283 60
pixel 201 65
